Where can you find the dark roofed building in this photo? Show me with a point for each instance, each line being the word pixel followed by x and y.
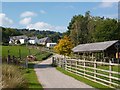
pixel 94 47
pixel 44 41
pixel 108 48
pixel 33 40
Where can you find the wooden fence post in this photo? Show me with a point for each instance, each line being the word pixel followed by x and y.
pixel 65 64
pixel 8 59
pixel 70 63
pixel 84 67
pixel 95 66
pixel 29 52
pixel 76 66
pixel 19 53
pixel 110 74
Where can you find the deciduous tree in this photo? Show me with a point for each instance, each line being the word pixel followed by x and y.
pixel 64 46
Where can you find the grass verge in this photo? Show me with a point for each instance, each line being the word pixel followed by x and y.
pixel 32 78
pixel 82 79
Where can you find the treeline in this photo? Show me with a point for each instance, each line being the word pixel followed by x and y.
pixel 87 29
pixel 7 32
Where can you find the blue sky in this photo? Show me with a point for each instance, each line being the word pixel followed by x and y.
pixel 51 15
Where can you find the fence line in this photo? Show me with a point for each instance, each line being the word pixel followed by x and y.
pixel 91 70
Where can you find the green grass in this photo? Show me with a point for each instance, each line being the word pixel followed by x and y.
pixel 14 50
pixel 32 78
pixel 89 82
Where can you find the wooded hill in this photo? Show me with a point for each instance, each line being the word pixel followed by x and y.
pixel 6 32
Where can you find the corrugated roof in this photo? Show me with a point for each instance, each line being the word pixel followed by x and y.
pixel 94 47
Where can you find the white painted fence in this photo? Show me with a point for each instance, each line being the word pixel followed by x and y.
pixel 91 70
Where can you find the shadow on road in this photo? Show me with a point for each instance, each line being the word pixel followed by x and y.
pixel 43 66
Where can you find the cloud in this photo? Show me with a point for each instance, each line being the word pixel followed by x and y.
pixel 46 26
pixel 112 16
pixel 28 14
pixel 25 21
pixel 106 4
pixel 4 20
pixel 42 12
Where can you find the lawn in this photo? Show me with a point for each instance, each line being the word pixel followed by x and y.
pixel 31 77
pixel 82 79
pixel 14 50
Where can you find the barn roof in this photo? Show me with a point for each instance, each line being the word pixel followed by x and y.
pixel 94 47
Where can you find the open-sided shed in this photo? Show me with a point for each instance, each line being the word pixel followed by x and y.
pixel 109 49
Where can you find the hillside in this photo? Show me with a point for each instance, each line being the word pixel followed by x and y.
pixel 6 32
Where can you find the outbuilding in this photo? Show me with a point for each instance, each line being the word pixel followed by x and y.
pixel 99 50
pixel 50 45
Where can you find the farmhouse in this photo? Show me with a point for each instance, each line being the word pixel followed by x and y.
pixel 44 41
pixel 99 50
pixel 33 40
pixel 18 39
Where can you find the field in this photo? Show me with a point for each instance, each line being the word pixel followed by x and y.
pixel 23 51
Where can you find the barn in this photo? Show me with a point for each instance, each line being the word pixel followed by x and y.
pixel 102 51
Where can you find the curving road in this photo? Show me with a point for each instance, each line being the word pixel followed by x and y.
pixel 49 77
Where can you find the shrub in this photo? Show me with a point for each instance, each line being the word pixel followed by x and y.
pixel 12 77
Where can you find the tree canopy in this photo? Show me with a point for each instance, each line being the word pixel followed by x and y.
pixel 64 46
pixel 87 29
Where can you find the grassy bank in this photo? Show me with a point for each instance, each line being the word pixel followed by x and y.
pixel 89 82
pixel 31 77
pixel 17 77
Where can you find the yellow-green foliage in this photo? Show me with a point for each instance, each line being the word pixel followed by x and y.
pixel 64 46
pixel 12 77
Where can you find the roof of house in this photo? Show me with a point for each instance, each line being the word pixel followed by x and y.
pixel 19 37
pixel 43 39
pixel 94 47
pixel 32 38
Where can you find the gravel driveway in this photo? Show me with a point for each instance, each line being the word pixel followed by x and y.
pixel 49 77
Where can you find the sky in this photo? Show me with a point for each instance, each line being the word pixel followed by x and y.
pixel 54 16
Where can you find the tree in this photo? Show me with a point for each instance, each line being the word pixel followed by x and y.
pixel 18 42
pixel 64 46
pixel 78 28
pixel 107 30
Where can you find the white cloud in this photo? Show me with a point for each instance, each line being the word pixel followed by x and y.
pixel 42 12
pixel 111 16
pixel 28 14
pixel 46 26
pixel 106 4
pixel 4 20
pixel 25 21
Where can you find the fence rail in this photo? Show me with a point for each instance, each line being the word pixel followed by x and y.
pixel 100 72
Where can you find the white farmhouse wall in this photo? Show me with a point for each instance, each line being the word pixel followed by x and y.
pixel 10 42
pixel 22 41
pixel 32 41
